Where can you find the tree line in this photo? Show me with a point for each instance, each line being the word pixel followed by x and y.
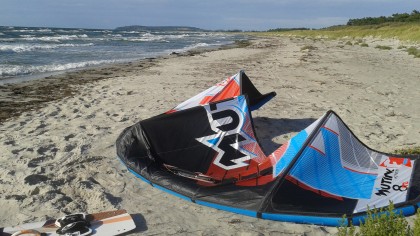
pixel 403 17
pixel 286 29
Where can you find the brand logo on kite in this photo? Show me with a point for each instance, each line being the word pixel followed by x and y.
pixel 226 119
pixel 386 183
pixel 395 162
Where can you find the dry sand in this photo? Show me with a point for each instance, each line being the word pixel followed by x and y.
pixel 58 156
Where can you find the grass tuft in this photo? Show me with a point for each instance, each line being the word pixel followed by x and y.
pixel 382 47
pixel 308 47
pixel 416 229
pixel 414 51
pixel 408 151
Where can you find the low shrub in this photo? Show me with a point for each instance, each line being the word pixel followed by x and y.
pixel 381 222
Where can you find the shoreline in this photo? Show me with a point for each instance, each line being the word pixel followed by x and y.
pixel 31 77
pixel 32 93
pixel 59 155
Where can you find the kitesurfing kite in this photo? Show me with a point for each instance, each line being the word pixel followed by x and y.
pixel 205 150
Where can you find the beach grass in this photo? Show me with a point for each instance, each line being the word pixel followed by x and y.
pixel 414 51
pixel 382 47
pixel 382 221
pixel 401 31
pixel 408 151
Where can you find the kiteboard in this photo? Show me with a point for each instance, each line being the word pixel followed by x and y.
pixel 107 223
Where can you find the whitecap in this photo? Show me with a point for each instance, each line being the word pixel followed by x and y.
pixel 57 38
pixel 32 47
pixel 44 30
pixel 14 70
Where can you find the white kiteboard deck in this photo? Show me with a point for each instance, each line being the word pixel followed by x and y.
pixel 108 223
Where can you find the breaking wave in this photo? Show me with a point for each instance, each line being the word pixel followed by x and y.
pixel 32 47
pixel 14 70
pixel 196 46
pixel 29 51
pixel 57 38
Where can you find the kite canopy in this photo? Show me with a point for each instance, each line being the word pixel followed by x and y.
pixel 206 151
pixel 233 86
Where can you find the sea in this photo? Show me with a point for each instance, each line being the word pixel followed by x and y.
pixel 34 52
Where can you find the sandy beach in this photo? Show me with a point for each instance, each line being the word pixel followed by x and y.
pixel 57 135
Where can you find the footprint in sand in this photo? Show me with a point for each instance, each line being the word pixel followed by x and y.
pixel 54 113
pixel 47 148
pixel 35 179
pixel 36 161
pixel 68 137
pixel 11 142
pixel 69 147
pixel 41 129
pixel 17 151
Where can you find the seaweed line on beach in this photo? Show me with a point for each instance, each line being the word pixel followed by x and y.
pixel 16 98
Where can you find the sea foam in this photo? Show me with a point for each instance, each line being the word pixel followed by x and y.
pixel 14 70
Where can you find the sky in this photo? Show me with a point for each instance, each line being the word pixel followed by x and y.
pixel 205 14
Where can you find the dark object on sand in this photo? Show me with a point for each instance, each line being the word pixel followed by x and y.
pixel 206 151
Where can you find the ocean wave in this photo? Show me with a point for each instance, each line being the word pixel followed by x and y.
pixel 148 37
pixel 34 30
pixel 32 47
pixel 66 31
pixel 44 30
pixel 15 70
pixel 176 36
pixel 195 46
pixel 130 32
pixel 198 45
pixel 101 31
pixel 22 30
pixel 143 39
pixel 32 52
pixel 57 38
pixel 27 36
pixel 203 35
